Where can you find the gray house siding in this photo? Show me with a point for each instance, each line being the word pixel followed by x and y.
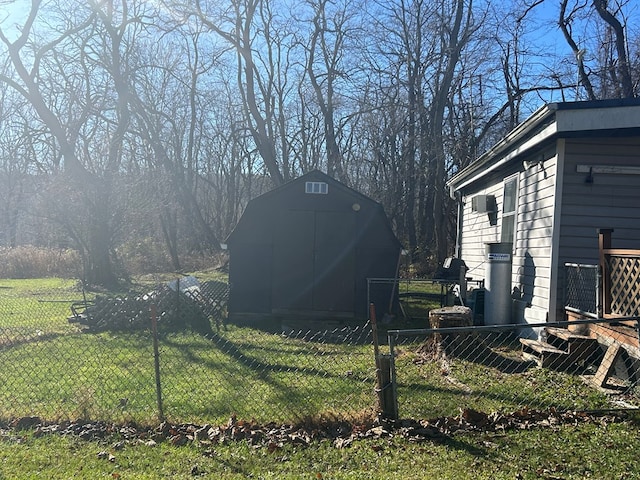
pixel 532 250
pixel 607 201
pixel 597 200
pixel 479 229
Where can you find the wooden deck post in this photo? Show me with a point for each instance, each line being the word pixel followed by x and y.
pixel 604 286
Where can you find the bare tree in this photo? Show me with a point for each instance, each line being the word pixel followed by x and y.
pixel 33 69
pixel 565 22
pixel 324 66
pixel 239 20
pixel 75 74
pixel 619 69
pixel 16 161
pixel 169 111
pixel 602 59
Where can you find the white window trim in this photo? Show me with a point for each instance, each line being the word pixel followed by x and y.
pixel 316 188
pixel 514 213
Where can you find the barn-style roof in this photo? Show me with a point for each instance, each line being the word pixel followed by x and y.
pixel 263 204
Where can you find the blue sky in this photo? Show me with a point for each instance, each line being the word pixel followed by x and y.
pixel 13 12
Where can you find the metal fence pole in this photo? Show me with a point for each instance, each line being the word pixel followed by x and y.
pixel 392 377
pixel 156 360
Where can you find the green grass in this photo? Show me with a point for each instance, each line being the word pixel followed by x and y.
pixel 590 450
pixel 56 372
pixel 52 370
pixel 244 372
pixel 428 390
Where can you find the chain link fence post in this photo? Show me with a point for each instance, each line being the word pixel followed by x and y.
pixel 156 361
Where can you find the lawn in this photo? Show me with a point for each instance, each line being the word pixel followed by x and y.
pixel 54 371
pixel 599 450
pixel 440 387
pixel 244 372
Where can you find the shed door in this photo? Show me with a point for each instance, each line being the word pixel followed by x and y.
pixel 292 287
pixel 334 262
pixel 314 261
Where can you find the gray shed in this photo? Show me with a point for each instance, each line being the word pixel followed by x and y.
pixel 307 249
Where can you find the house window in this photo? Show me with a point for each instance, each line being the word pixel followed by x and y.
pixel 321 188
pixel 509 210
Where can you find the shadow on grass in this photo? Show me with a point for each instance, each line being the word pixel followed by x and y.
pixel 7 342
pixel 315 385
pixel 457 397
pixel 237 353
pixel 476 350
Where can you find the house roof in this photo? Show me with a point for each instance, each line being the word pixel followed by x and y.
pixel 613 117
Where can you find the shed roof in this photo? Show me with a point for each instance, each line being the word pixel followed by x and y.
pixel 314 175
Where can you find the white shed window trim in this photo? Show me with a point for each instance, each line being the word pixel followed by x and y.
pixel 320 188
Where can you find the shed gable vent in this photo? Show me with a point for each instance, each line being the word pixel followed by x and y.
pixel 316 187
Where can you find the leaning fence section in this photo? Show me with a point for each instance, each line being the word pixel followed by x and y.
pixel 68 355
pixel 502 369
pixel 581 289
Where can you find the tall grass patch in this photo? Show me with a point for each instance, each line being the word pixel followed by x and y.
pixel 36 262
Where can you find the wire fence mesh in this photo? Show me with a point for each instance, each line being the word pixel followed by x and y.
pixel 66 355
pixel 443 371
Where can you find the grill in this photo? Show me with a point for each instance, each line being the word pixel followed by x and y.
pixel 449 271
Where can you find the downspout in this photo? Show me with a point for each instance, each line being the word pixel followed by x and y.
pixel 457 195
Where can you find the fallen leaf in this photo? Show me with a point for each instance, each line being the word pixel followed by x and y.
pixel 272 447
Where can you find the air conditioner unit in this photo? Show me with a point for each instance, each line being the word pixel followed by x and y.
pixel 483 203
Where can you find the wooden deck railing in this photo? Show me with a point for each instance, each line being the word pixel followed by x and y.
pixel 619 288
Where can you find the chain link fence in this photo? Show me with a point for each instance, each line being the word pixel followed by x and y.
pixel 581 289
pixel 507 368
pixel 165 352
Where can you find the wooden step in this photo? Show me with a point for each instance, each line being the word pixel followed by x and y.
pixel 544 354
pixel 581 348
pixel 567 335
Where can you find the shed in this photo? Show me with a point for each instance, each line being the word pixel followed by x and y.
pixel 307 249
pixel 544 191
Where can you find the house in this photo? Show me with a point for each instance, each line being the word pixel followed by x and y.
pixel 541 194
pixel 307 249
